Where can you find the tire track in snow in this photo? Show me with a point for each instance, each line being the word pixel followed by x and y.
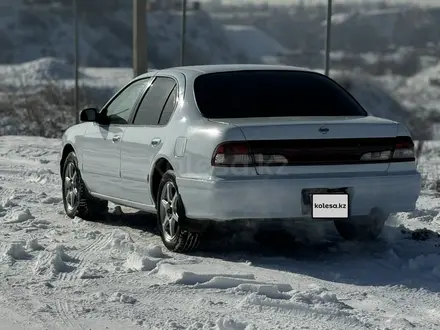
pixel 84 256
pixel 6 193
pixel 67 315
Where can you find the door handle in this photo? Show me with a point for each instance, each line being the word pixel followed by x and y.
pixel 116 138
pixel 155 142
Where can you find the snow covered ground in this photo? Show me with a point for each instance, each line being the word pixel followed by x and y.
pixel 114 274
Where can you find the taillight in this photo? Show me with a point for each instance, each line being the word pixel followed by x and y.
pixel 376 155
pixel 232 154
pixel 238 154
pixel 404 149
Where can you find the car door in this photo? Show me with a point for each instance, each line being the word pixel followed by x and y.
pixel 101 148
pixel 144 138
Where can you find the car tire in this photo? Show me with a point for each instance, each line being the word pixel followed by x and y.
pixel 171 211
pixel 363 228
pixel 76 198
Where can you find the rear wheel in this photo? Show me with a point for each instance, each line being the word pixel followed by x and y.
pixel 363 228
pixel 171 212
pixel 77 200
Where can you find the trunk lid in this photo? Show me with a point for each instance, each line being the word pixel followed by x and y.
pixel 287 128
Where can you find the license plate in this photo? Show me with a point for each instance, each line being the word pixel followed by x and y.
pixel 329 206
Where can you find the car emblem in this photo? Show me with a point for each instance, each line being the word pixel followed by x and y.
pixel 323 130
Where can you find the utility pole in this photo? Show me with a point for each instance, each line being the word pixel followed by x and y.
pixel 328 38
pixel 76 51
pixel 140 60
pixel 183 35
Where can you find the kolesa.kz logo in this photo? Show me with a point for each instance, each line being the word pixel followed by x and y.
pixel 330 206
pixel 334 206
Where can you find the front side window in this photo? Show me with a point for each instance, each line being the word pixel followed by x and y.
pixel 120 109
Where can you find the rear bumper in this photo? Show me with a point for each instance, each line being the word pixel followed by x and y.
pixel 263 198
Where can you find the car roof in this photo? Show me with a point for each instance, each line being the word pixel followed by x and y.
pixel 197 70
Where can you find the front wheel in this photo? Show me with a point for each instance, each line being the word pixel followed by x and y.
pixel 363 228
pixel 77 200
pixel 171 212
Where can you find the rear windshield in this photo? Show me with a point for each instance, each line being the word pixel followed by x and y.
pixel 246 94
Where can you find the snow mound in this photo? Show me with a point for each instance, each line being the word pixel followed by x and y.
pixel 429 263
pixel 94 234
pixel 174 275
pixel 253 42
pixel 316 296
pixel 9 202
pixel 52 200
pixel 43 69
pixel 40 175
pixel 19 217
pixel 155 251
pixel 373 96
pixel 90 272
pixel 53 261
pixel 399 323
pixel 33 245
pixel 425 78
pixel 16 251
pixel 317 300
pixel 119 240
pixel 270 291
pixel 136 262
pixel 121 297
pixel 219 324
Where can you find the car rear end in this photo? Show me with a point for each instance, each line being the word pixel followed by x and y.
pixel 290 138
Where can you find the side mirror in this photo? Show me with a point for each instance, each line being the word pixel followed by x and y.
pixel 89 114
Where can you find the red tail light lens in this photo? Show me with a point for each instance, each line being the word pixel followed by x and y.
pixel 232 154
pixel 404 149
pixel 238 154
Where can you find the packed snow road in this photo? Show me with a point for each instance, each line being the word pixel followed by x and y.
pixel 56 273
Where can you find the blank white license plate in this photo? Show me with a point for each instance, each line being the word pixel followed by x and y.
pixel 333 206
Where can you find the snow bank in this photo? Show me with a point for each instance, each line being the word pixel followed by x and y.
pixel 426 263
pixel 241 282
pixel 373 96
pixel 315 300
pixel 43 69
pixel 380 102
pixel 423 89
pixel 253 42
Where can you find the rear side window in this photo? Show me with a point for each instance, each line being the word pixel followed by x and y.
pixel 169 107
pixel 150 107
pixel 247 94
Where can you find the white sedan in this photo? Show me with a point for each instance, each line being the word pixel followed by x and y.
pixel 238 142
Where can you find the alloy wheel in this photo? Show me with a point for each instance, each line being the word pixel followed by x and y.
pixel 71 186
pixel 169 215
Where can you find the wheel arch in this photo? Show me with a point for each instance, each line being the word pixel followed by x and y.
pixel 67 149
pixel 161 165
